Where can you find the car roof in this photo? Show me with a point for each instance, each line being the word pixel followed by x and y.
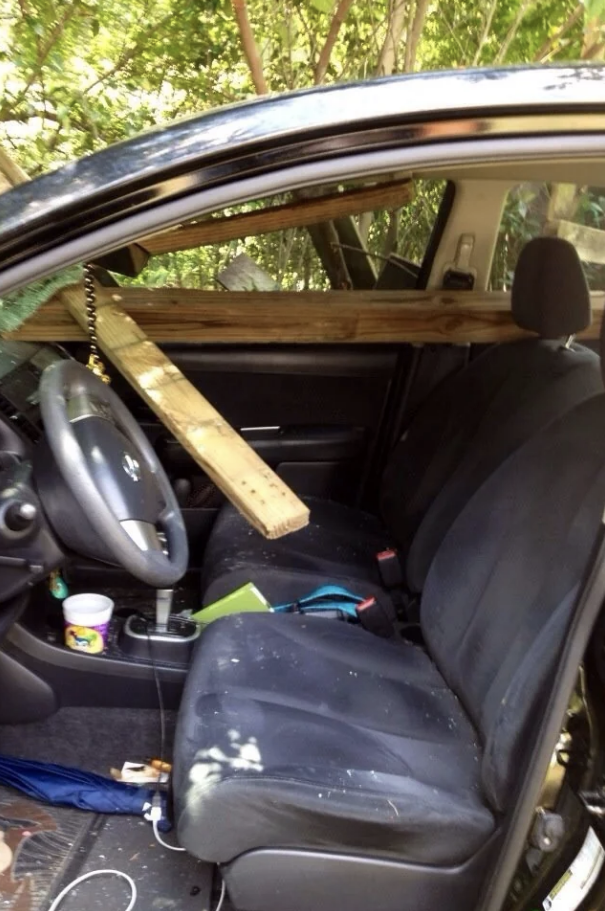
pixel 260 135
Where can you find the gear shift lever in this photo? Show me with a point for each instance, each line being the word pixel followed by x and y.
pixel 169 640
pixel 163 608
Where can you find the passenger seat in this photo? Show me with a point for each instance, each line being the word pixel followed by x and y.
pixel 465 431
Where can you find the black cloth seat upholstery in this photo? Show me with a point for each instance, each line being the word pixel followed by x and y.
pixel 307 733
pixel 339 544
pixel 469 426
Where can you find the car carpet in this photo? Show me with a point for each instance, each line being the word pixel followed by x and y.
pixel 92 739
pixel 42 848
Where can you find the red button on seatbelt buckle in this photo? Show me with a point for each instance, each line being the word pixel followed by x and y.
pixel 386 554
pixel 389 568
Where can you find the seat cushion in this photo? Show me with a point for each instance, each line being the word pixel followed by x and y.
pixel 338 546
pixel 301 732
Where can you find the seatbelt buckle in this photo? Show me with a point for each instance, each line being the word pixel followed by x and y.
pixel 377 616
pixel 389 568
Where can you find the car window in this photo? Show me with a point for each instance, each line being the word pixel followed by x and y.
pixel 392 241
pixel 576 213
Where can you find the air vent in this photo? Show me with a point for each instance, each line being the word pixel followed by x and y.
pixel 18 420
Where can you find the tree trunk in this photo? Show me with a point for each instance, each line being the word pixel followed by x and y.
pixel 592 46
pixel 388 53
pixel 326 52
pixel 487 24
pixel 413 37
pixel 249 47
pixel 524 7
pixel 550 46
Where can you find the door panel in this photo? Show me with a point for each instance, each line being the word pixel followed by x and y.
pixel 312 412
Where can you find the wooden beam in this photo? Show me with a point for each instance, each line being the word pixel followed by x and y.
pixel 589 242
pixel 299 214
pixel 331 317
pixel 266 502
pixel 562 202
pixel 12 172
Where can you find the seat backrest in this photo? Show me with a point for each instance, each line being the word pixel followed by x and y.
pixel 476 419
pixel 500 591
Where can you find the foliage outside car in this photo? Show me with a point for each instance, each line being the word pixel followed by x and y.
pixel 76 75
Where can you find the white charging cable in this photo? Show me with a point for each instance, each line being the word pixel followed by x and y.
pixel 81 879
pixel 129 880
pixel 160 840
pixel 222 896
pixel 154 814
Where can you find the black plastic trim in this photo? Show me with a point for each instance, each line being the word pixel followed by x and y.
pixel 276 879
pixel 445 208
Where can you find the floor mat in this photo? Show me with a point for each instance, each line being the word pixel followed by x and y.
pixel 38 844
pixel 93 739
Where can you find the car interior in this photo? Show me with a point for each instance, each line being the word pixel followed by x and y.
pixel 455 494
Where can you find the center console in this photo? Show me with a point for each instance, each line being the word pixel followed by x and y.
pixel 168 638
pixel 48 674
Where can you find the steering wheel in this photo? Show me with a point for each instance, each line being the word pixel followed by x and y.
pixel 113 473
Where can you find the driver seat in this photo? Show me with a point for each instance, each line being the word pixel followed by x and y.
pixel 321 764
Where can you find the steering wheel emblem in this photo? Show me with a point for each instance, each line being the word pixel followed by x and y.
pixel 131 467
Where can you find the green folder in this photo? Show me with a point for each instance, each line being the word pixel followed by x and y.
pixel 246 599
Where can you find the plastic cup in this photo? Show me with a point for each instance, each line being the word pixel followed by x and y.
pixel 86 618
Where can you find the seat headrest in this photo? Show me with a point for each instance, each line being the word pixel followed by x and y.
pixel 550 295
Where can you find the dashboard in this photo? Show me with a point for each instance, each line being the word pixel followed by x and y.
pixel 28 549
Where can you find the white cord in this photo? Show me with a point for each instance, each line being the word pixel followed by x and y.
pixel 133 889
pixel 161 841
pixel 129 880
pixel 222 896
pixel 81 879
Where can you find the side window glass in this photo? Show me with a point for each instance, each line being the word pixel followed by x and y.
pixel 273 244
pixel 575 213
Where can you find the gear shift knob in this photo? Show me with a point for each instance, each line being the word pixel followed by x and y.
pixel 163 608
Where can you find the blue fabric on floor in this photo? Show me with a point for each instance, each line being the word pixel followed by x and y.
pixel 69 787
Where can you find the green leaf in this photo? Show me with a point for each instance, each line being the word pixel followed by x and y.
pixel 324 6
